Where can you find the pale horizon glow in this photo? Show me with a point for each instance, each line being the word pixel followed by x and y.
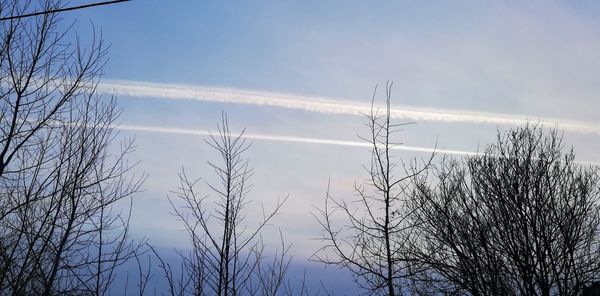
pixel 330 106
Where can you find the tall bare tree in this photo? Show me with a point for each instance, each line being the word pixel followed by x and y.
pixel 520 219
pixel 372 245
pixel 228 256
pixel 59 176
pixel 41 71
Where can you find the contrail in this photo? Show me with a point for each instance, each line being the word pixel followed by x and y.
pixel 293 139
pixel 306 140
pixel 331 106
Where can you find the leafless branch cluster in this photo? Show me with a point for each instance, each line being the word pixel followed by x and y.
pixel 374 245
pixel 520 219
pixel 227 257
pixel 59 175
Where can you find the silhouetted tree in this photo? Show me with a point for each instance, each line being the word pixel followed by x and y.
pixel 228 256
pixel 59 176
pixel 522 218
pixel 591 290
pixel 372 245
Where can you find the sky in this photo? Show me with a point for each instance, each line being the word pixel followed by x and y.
pixel 297 74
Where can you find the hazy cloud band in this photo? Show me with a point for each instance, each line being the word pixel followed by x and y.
pixel 331 106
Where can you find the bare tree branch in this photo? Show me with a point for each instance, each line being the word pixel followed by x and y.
pixel 373 244
pixel 520 219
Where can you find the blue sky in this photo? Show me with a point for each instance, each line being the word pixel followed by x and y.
pixel 534 59
pixel 443 54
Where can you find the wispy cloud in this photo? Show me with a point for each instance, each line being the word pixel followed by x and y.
pixel 331 106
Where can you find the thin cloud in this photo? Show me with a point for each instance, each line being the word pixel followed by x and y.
pixel 330 106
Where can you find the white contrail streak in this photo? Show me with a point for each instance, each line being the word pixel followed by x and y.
pixel 293 139
pixel 331 106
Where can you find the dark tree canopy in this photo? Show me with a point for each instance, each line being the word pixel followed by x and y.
pixel 522 218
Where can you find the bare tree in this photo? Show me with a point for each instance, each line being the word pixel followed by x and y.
pixel 59 176
pixel 520 219
pixel 40 73
pixel 227 257
pixel 372 245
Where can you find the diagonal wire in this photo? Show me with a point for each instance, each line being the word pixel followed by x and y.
pixel 61 9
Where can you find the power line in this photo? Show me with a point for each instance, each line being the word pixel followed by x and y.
pixel 61 9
